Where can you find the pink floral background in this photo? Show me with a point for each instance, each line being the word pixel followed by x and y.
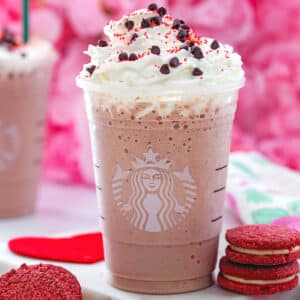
pixel 265 32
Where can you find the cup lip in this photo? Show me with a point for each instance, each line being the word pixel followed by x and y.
pixel 175 89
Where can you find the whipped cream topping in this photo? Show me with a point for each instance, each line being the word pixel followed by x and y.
pixel 152 49
pixel 265 251
pixel 259 282
pixel 26 57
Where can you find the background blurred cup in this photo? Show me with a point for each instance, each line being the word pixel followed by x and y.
pixel 160 177
pixel 24 82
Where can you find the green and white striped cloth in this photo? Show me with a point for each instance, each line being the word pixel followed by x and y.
pixel 260 191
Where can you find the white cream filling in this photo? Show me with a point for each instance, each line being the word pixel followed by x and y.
pixel 259 282
pixel 264 252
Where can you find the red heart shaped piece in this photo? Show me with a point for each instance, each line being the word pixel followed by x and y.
pixel 83 248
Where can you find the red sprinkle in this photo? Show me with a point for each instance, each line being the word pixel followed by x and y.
pixel 174 50
pixel 141 55
pixel 168 17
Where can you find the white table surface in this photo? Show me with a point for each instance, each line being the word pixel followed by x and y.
pixel 70 210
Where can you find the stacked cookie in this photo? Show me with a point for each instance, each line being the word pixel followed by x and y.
pixel 260 259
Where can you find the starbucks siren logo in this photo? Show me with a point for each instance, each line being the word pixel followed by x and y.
pixel 152 204
pixel 9 144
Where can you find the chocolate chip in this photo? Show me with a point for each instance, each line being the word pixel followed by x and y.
pixel 123 56
pixel 164 69
pixel 146 23
pixel 194 48
pixel 197 72
pixel 185 47
pixel 134 37
pixel 162 11
pixel 182 39
pixel 214 45
pixel 176 24
pixel 8 39
pixel 7 36
pixel 133 56
pixel 102 43
pixel 156 20
pixel 5 33
pixel 182 35
pixel 191 44
pixel 155 50
pixel 129 24
pixel 198 54
pixel 174 62
pixel 23 54
pixel 152 6
pixel 91 69
pixel 185 27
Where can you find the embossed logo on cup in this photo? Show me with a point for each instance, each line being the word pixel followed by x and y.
pixel 153 204
pixel 9 144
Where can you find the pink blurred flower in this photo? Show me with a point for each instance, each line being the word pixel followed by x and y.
pixel 47 24
pixel 232 23
pixel 67 121
pixel 279 18
pixel 12 7
pixel 90 20
pixel 4 18
pixel 87 20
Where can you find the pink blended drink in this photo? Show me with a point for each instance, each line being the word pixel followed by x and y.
pixel 160 102
pixel 25 74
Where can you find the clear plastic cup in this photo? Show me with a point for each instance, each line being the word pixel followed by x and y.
pixel 160 167
pixel 23 96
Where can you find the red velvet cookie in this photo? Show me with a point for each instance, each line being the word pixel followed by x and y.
pixel 43 282
pixel 263 244
pixel 252 272
pixel 257 280
pixel 252 289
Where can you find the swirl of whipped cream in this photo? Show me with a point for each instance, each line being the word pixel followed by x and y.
pixel 219 66
pixel 19 57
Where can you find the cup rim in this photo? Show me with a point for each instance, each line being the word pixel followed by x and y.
pixel 175 89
